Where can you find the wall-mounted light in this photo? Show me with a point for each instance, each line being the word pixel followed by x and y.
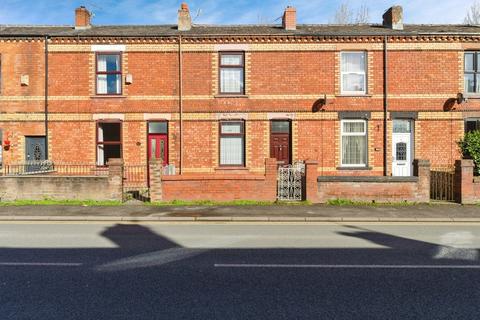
pixel 461 98
pixel 128 79
pixel 24 80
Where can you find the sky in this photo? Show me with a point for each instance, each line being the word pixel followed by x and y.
pixel 108 12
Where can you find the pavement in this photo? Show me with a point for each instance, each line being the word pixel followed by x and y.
pixel 112 270
pixel 275 213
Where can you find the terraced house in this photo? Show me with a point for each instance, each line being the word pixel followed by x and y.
pixel 360 100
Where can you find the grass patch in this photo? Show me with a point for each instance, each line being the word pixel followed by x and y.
pixel 210 203
pixel 177 203
pixel 50 202
pixel 347 202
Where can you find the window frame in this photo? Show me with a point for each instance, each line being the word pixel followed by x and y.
pixel 365 74
pixel 157 121
pixel 97 142
pixel 220 67
pixel 474 72
pixel 241 134
pixel 120 72
pixel 1 78
pixel 477 124
pixel 357 134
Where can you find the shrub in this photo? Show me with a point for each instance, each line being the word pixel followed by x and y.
pixel 470 148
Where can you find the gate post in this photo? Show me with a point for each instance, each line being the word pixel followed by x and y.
pixel 421 169
pixel 311 175
pixel 155 178
pixel 464 192
pixel 271 177
pixel 115 178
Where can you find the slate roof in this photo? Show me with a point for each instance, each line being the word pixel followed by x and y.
pixel 219 30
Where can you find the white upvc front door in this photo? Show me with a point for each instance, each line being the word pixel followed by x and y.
pixel 402 152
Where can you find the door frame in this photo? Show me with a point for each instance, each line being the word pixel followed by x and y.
pixel 167 134
pixel 412 143
pixel 290 145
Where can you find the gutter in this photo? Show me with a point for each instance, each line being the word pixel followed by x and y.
pixel 46 97
pixel 180 99
pixel 385 106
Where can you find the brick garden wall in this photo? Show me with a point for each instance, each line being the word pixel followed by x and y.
pixel 56 187
pixel 378 189
pixel 215 187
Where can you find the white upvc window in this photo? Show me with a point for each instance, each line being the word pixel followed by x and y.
pixel 354 143
pixel 232 143
pixel 353 76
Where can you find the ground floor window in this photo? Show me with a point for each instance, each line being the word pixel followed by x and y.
pixel 1 148
pixel 354 143
pixel 232 143
pixel 472 125
pixel 109 141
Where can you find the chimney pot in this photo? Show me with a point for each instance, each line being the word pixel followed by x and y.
pixel 393 18
pixel 82 18
pixel 184 18
pixel 289 20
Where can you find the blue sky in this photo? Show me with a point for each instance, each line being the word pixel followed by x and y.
pixel 47 12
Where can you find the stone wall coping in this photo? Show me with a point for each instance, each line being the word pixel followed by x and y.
pixel 372 179
pixel 197 177
pixel 49 176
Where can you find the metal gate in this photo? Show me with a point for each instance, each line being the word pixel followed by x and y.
pixel 291 180
pixel 442 184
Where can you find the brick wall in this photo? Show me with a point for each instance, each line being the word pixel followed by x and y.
pixel 280 77
pixel 40 187
pixel 378 189
pixel 216 187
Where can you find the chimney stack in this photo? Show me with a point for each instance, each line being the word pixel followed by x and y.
pixel 82 18
pixel 393 18
pixel 289 20
pixel 184 18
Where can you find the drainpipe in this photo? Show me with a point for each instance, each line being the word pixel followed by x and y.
pixel 46 97
pixel 180 97
pixel 385 106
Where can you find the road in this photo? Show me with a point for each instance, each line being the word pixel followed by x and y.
pixel 239 271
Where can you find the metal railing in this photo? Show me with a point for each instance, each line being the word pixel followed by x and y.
pixel 135 177
pixel 52 168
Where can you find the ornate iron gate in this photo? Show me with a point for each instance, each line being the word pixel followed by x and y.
pixel 442 183
pixel 291 182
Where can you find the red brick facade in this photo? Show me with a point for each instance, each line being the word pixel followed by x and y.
pixel 286 77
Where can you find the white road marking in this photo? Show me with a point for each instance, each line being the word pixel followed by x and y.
pixel 40 264
pixel 348 266
pixel 457 246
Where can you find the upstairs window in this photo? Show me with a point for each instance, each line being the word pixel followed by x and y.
pixel 232 70
pixel 472 72
pixel 109 74
pixel 109 141
pixel 354 143
pixel 353 73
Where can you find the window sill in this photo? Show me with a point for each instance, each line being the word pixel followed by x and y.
pixel 472 96
pixel 353 95
pixel 354 168
pixel 221 96
pixel 108 96
pixel 232 168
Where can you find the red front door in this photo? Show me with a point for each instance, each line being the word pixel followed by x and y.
pixel 158 147
pixel 280 140
pixel 280 147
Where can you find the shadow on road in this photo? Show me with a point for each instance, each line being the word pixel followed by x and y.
pixel 149 276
